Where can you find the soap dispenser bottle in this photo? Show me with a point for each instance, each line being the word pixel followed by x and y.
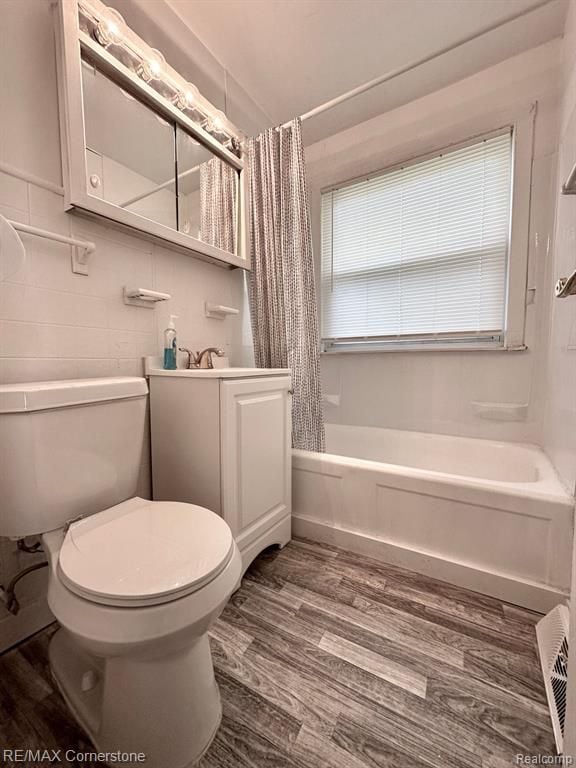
pixel 170 345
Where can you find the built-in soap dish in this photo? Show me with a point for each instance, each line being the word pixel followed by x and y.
pixel 501 411
pixel 143 297
pixel 218 311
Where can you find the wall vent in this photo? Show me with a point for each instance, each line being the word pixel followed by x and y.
pixel 552 634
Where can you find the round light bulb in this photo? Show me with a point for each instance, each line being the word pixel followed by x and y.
pixel 151 67
pixel 216 122
pixel 109 28
pixel 155 67
pixel 113 29
pixel 191 95
pixel 187 98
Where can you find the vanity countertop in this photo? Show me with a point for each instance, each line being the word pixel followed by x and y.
pixel 153 369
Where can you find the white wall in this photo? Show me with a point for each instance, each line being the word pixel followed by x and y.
pixel 434 391
pixel 55 324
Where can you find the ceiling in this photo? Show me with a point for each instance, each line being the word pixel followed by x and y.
pixel 292 55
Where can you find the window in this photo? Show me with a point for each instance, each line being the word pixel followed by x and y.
pixel 418 255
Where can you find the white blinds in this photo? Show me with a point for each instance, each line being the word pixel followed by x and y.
pixel 420 252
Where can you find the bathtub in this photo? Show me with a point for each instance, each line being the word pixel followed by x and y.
pixel 486 515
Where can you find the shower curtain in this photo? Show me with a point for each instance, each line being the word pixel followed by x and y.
pixel 281 285
pixel 218 208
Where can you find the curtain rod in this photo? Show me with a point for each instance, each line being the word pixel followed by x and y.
pixel 408 67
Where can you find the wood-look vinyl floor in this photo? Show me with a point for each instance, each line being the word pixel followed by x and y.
pixel 326 659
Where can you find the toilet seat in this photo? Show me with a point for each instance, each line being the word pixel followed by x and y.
pixel 141 553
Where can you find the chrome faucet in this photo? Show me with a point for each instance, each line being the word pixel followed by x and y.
pixel 205 357
pixel 201 359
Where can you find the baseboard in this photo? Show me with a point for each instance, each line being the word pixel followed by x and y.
pixel 511 589
pixel 31 618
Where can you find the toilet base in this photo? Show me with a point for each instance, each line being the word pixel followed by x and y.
pixel 166 707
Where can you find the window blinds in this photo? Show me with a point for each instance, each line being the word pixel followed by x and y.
pixel 420 252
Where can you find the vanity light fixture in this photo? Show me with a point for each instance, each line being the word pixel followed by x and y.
pixel 109 29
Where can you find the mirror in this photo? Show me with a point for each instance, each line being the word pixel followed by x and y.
pixel 130 155
pixel 207 194
pixel 141 146
pixel 140 161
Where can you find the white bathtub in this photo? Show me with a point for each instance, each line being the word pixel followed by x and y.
pixel 486 515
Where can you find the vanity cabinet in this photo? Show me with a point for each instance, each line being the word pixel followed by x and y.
pixel 222 439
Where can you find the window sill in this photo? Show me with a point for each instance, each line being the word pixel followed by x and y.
pixel 425 348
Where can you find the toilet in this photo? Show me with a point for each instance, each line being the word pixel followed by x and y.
pixel 135 584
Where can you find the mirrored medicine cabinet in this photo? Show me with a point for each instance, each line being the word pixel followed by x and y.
pixel 142 147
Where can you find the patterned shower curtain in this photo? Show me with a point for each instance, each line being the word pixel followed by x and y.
pixel 218 204
pixel 281 287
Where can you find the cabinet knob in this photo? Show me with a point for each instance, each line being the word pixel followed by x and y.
pixel 290 391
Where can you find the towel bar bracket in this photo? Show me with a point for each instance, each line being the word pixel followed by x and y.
pixel 80 259
pixel 81 251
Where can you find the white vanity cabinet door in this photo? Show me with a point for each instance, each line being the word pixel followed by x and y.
pixel 255 454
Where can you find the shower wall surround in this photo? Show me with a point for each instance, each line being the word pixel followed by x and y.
pixel 560 421
pixel 435 391
pixel 55 324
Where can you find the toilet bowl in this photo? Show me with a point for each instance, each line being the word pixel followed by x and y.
pixel 135 589
pixel 134 584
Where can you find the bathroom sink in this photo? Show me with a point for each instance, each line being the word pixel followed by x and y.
pixel 153 368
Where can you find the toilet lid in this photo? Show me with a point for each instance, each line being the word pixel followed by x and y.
pixel 144 552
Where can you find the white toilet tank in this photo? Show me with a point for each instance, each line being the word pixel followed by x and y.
pixel 69 449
